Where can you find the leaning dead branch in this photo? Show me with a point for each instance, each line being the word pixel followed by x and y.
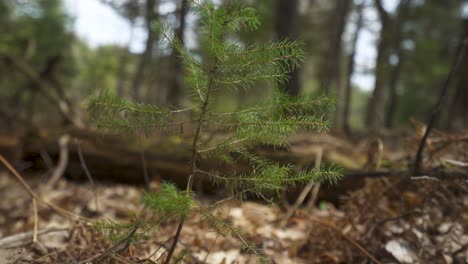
pixel 435 112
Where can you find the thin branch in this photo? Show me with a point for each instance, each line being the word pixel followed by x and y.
pixel 316 188
pixel 88 174
pixel 161 245
pixel 425 178
pixel 254 62
pixel 262 49
pixel 292 105
pixel 215 176
pixel 194 157
pixel 435 112
pixel 64 109
pixel 250 78
pixel 103 124
pixel 36 220
pixel 115 248
pixel 62 163
pixel 269 123
pixel 305 191
pixel 183 110
pixel 223 144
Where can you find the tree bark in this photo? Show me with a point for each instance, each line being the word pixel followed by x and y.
pixel 174 94
pixel 351 66
pixel 396 69
pixel 145 58
pixel 287 27
pixel 123 61
pixel 375 108
pixel 331 71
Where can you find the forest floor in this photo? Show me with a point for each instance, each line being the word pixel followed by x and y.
pixel 390 219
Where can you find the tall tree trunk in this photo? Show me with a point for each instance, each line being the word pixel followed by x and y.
pixel 123 61
pixel 145 58
pixel 175 90
pixel 287 27
pixel 393 94
pixel 375 107
pixel 343 8
pixel 330 75
pixel 351 66
pixel 396 69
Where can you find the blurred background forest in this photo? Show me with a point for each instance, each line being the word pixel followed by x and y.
pixel 384 60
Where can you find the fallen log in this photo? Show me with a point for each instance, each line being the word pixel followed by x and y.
pixel 118 158
pixel 115 158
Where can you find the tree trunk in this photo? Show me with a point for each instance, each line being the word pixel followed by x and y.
pixel 396 70
pixel 343 8
pixel 375 108
pixel 393 95
pixel 145 58
pixel 351 66
pixel 331 70
pixel 287 27
pixel 123 61
pixel 175 90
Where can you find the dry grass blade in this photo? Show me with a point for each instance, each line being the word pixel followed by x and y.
pixel 61 211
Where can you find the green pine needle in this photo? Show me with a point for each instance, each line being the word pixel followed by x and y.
pixel 227 64
pixel 170 201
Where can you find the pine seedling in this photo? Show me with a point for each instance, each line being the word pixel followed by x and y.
pixel 228 64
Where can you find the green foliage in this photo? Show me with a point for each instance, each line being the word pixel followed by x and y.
pixel 113 114
pixel 268 176
pixel 272 122
pixel 242 67
pixel 37 32
pixel 119 232
pixel 99 68
pixel 225 229
pixel 229 66
pixel 170 201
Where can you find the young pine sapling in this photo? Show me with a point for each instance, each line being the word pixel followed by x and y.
pixel 227 64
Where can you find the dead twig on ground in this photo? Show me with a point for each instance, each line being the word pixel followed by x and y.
pixel 119 246
pixel 348 238
pixel 121 259
pixel 61 211
pixel 163 244
pixel 62 163
pixel 36 220
pixel 315 190
pixel 24 238
pixel 88 174
pixel 305 191
pixel 418 178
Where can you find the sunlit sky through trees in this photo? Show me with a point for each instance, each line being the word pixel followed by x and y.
pixel 98 24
